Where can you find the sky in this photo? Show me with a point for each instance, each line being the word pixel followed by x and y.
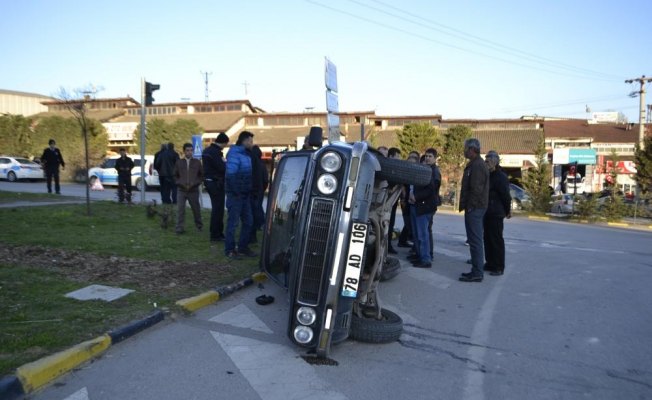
pixel 459 59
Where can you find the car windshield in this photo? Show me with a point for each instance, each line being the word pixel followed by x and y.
pixel 109 163
pixel 284 195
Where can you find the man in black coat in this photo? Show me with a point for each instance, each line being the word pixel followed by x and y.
pixel 259 183
pixel 124 165
pixel 498 209
pixel 214 168
pixel 51 159
pixel 164 162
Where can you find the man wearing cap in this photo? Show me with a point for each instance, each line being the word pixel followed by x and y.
pixel 214 169
pixel 474 199
pixel 51 160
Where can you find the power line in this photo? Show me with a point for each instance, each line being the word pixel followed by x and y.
pixel 482 41
pixel 562 104
pixel 429 39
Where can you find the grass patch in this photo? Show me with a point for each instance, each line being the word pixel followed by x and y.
pixel 12 197
pixel 36 319
pixel 51 250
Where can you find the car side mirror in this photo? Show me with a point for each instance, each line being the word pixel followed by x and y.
pixel 316 136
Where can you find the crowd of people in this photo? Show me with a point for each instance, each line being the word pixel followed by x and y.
pixel 484 199
pixel 239 183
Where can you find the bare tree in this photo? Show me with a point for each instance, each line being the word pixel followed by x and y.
pixel 75 102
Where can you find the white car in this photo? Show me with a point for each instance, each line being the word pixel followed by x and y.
pixel 16 168
pixel 563 204
pixel 108 175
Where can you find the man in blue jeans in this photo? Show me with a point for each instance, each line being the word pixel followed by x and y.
pixel 238 196
pixel 474 199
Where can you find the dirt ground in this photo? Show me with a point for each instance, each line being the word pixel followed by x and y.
pixel 155 277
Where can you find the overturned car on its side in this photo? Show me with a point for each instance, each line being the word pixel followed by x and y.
pixel 326 240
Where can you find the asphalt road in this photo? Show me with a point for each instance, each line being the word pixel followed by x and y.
pixel 571 318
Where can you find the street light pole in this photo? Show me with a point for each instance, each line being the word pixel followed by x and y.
pixel 641 119
pixel 142 139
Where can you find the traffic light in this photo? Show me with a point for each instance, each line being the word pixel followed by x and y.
pixel 149 89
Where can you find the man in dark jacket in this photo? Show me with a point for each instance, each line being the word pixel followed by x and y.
pixel 124 165
pixel 498 209
pixel 188 175
pixel 259 183
pixel 474 199
pixel 165 162
pixel 51 160
pixel 214 169
pixel 425 200
pixel 238 196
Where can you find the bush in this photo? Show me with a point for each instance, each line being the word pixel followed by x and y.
pixel 586 207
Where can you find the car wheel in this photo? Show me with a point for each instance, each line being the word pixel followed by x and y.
pixel 11 176
pixel 92 180
pixel 371 330
pixel 141 185
pixel 402 172
pixel 516 205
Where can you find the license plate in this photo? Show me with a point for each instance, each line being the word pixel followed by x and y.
pixel 354 260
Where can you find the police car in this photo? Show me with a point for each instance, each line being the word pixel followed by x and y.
pixel 108 175
pixel 16 168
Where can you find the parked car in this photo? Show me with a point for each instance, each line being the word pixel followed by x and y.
pixel 108 175
pixel 520 199
pixel 325 240
pixel 563 204
pixel 17 168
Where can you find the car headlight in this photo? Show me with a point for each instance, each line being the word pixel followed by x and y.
pixel 331 162
pixel 303 334
pixel 327 184
pixel 306 315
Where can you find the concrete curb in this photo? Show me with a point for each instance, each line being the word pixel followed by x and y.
pixel 35 375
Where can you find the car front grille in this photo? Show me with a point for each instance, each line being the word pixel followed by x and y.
pixel 314 254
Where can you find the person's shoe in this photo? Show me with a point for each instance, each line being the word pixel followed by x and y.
pixel 423 265
pixel 414 258
pixel 391 250
pixel 496 273
pixel 233 255
pixel 405 244
pixel 247 252
pixel 469 261
pixel 218 238
pixel 470 278
pixel 466 243
pixel 179 232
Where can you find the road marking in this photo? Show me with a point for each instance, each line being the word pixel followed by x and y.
pixel 474 378
pixel 274 371
pixel 81 394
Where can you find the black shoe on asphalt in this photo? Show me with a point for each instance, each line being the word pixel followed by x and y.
pixel 496 273
pixel 470 278
pixel 233 255
pixel 247 252
pixel 423 265
pixel 391 250
pixel 402 244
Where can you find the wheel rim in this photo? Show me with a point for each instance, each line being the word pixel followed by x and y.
pixel 139 185
pixel 11 177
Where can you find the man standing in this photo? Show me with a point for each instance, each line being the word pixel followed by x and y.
pixel 214 169
pixel 238 196
pixel 259 183
pixel 188 175
pixel 165 162
pixel 498 209
pixel 474 199
pixel 425 203
pixel 124 165
pixel 51 160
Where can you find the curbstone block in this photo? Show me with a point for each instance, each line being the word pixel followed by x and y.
pixel 124 332
pixel 10 388
pixel 196 302
pixel 39 373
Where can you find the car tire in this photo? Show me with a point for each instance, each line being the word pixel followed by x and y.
pixel 402 172
pixel 391 268
pixel 516 205
pixel 11 176
pixel 370 330
pixel 92 180
pixel 141 185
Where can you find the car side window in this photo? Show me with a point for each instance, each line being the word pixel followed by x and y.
pixel 4 161
pixel 110 163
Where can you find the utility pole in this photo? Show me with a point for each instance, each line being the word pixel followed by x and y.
pixel 246 86
pixel 205 74
pixel 641 120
